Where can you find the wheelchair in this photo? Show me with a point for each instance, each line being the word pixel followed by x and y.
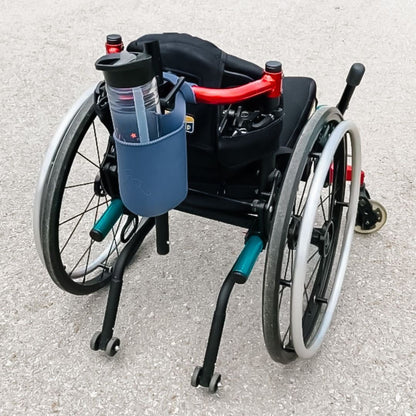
pixel 260 155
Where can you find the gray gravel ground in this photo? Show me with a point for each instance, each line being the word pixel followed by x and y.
pixel 367 364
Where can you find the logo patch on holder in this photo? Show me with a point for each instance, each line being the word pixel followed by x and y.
pixel 189 124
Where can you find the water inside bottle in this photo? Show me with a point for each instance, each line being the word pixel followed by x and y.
pixel 130 124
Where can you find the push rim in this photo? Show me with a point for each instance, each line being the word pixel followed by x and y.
pixel 307 340
pixel 278 275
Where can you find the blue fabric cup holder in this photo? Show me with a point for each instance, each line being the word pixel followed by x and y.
pixel 153 176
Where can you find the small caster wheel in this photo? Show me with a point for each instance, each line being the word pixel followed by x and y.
pixel 95 341
pixel 213 384
pixel 381 213
pixel 112 346
pixel 196 376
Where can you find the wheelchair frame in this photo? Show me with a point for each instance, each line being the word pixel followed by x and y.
pixel 255 216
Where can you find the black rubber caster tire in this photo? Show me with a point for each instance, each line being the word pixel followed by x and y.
pixel 196 376
pixel 112 347
pixel 213 384
pixel 95 341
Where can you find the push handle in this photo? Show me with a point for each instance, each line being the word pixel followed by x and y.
pixel 353 80
pixel 355 75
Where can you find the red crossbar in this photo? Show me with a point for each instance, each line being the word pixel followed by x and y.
pixel 269 83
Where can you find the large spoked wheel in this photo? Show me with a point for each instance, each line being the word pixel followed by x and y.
pixel 311 237
pixel 70 200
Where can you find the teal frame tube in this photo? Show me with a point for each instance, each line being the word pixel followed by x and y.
pixel 107 221
pixel 248 257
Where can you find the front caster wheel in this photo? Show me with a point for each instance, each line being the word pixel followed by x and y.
pixel 213 384
pixel 112 347
pixel 365 226
pixel 196 376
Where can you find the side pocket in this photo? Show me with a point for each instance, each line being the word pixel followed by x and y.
pixel 246 148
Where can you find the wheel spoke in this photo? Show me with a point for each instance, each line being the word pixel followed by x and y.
pixel 301 198
pixel 282 288
pixel 91 243
pixel 313 273
pixel 301 206
pixel 323 209
pixel 330 186
pixel 82 213
pixel 88 160
pixel 313 255
pixel 80 259
pixel 79 185
pixel 96 143
pixel 114 233
pixel 323 200
pixel 305 294
pixel 285 336
pixel 287 264
pixel 77 224
pixel 285 285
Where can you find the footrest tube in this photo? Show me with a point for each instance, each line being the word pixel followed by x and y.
pixel 104 340
pixel 205 373
pixel 205 376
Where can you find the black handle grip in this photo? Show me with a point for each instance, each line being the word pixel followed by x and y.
pixel 355 75
pixel 353 80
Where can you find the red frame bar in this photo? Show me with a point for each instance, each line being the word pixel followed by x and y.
pixel 269 83
pixel 348 174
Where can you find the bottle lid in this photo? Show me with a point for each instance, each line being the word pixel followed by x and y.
pixel 125 69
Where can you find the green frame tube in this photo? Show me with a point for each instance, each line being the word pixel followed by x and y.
pixel 248 257
pixel 107 221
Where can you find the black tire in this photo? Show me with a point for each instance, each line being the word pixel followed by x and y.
pixel 70 206
pixel 112 347
pixel 214 382
pixel 196 376
pixel 282 242
pixel 95 341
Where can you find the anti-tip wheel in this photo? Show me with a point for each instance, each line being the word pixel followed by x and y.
pixel 95 341
pixel 382 218
pixel 213 384
pixel 112 347
pixel 196 376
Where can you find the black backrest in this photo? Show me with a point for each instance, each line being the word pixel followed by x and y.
pixel 200 61
pixel 203 63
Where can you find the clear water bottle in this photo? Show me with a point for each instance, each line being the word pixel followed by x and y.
pixel 132 94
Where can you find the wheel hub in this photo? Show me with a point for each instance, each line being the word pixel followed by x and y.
pixel 322 238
